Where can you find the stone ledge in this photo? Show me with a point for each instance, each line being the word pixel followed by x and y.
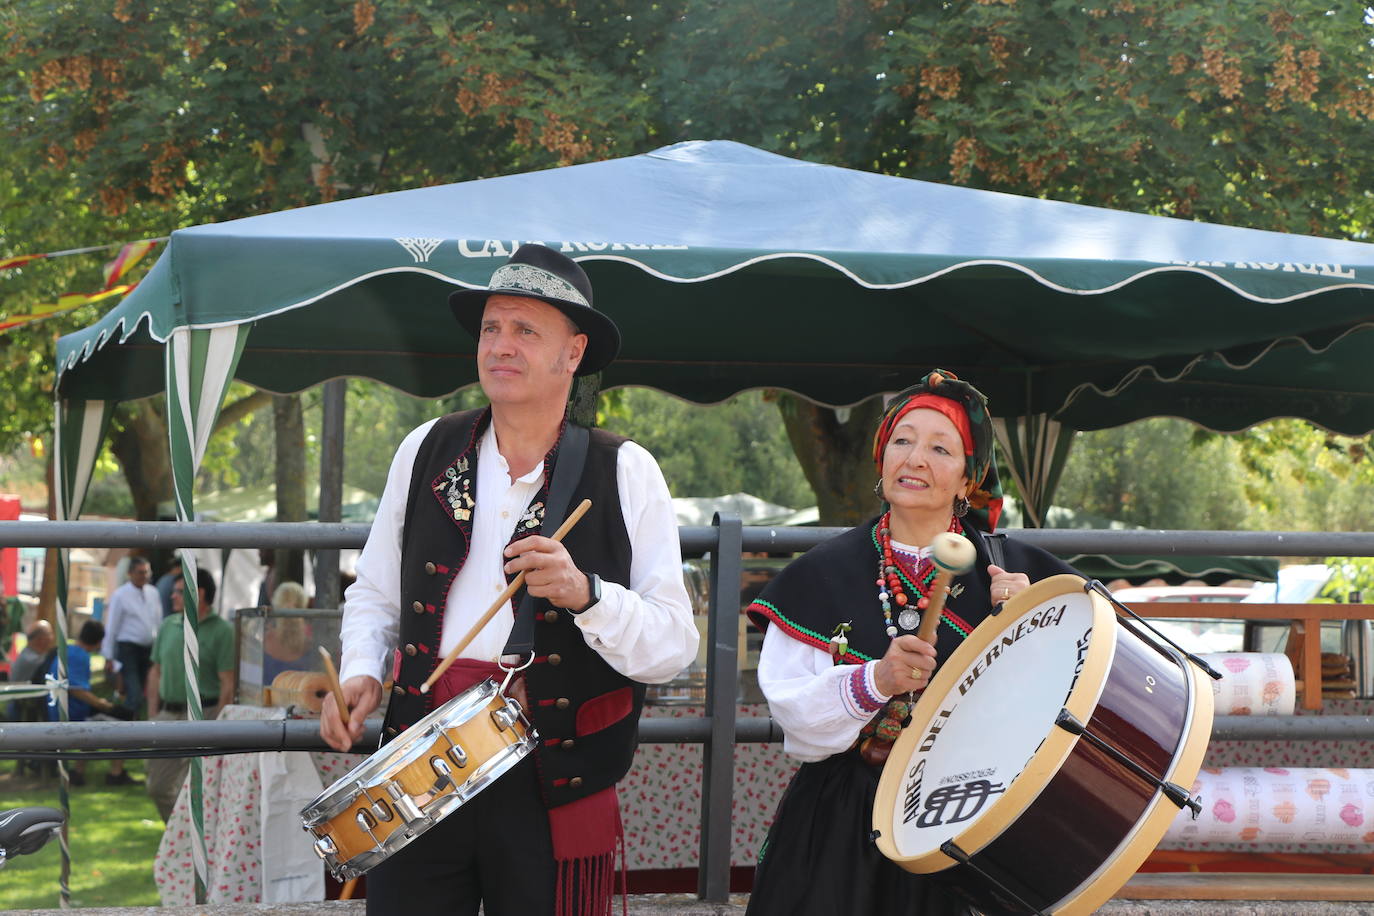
pixel 677 905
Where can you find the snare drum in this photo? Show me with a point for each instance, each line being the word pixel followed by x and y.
pixel 411 784
pixel 1047 757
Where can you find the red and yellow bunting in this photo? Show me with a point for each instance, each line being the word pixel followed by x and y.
pixel 128 256
pixel 7 263
pixel 115 270
pixel 64 303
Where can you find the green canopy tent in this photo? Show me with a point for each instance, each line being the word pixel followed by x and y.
pixel 727 268
pixel 1135 568
pixel 730 268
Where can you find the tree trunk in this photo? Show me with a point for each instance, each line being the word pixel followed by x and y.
pixel 835 448
pixel 143 453
pixel 289 423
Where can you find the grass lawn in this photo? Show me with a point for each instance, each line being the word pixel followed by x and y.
pixel 114 830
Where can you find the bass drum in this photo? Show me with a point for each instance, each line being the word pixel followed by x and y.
pixel 1044 761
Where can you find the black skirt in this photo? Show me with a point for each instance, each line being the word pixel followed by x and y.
pixel 818 858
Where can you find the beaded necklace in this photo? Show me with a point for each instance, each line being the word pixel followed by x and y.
pixel 893 580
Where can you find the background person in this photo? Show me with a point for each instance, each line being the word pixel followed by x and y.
pixel 462 512
pixel 167 680
pixel 165 583
pixel 81 700
pixel 32 660
pixel 131 624
pixel 841 713
pixel 286 639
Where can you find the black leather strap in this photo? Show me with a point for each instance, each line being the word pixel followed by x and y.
pixel 996 550
pixel 567 472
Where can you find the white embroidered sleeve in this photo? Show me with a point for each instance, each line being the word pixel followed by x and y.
pixel 646 631
pixel 821 706
pixel 372 603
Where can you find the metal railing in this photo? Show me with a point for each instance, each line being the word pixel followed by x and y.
pixel 719 729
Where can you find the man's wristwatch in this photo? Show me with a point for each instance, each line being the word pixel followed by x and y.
pixel 594 588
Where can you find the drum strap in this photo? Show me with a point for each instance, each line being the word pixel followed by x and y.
pixel 996 549
pixel 567 472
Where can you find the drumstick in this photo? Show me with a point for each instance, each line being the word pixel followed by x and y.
pixel 505 596
pixel 953 556
pixel 335 686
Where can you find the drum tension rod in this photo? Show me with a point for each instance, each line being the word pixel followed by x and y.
pixel 963 858
pixel 1094 585
pixel 1174 792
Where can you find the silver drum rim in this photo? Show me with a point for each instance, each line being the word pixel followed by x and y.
pixel 369 774
pixel 481 777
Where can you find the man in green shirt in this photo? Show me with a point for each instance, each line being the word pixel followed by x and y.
pixel 167 680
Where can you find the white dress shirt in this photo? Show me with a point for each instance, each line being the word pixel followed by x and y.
pixel 645 632
pixel 134 614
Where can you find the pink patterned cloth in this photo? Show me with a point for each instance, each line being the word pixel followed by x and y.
pixel 1291 754
pixel 233 797
pixel 660 798
pixel 660 801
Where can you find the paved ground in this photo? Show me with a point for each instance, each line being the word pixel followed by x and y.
pixel 671 905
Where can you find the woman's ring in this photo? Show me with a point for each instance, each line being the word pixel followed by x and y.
pixel 1006 592
pixel 916 673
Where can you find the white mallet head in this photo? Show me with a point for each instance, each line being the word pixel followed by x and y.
pixel 953 553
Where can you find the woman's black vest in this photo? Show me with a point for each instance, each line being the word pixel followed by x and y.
pixel 586 712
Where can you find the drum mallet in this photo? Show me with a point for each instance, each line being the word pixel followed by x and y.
pixel 501 600
pixel 953 555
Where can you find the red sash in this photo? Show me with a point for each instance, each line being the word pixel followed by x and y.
pixel 585 833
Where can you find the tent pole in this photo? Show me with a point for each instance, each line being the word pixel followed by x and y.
pixel 331 488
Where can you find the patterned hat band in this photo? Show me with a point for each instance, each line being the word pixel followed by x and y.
pixel 536 280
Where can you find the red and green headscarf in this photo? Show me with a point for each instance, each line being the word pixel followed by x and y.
pixel 967 409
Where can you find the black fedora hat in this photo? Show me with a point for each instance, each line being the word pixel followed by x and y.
pixel 539 272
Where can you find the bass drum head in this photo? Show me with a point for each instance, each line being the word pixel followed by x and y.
pixel 982 742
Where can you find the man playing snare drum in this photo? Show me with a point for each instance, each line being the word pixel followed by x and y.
pixel 461 515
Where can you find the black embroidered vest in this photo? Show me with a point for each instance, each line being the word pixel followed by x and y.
pixel 587 713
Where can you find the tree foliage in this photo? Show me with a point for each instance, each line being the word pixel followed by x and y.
pixel 127 120
pixel 1249 113
pixel 217 110
pixel 1284 475
pixel 738 446
pixel 135 120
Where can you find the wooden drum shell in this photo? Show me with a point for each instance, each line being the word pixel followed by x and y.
pixel 1076 823
pixel 401 778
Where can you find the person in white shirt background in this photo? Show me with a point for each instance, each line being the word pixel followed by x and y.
pixel 131 621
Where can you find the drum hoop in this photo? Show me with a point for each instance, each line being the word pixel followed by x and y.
pixel 1048 757
pixel 490 771
pixel 1131 853
pixel 409 746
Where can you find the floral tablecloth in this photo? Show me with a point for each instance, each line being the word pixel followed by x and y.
pixel 660 801
pixel 244 830
pixel 660 798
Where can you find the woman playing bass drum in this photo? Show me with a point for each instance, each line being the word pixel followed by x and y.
pixel 841 663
